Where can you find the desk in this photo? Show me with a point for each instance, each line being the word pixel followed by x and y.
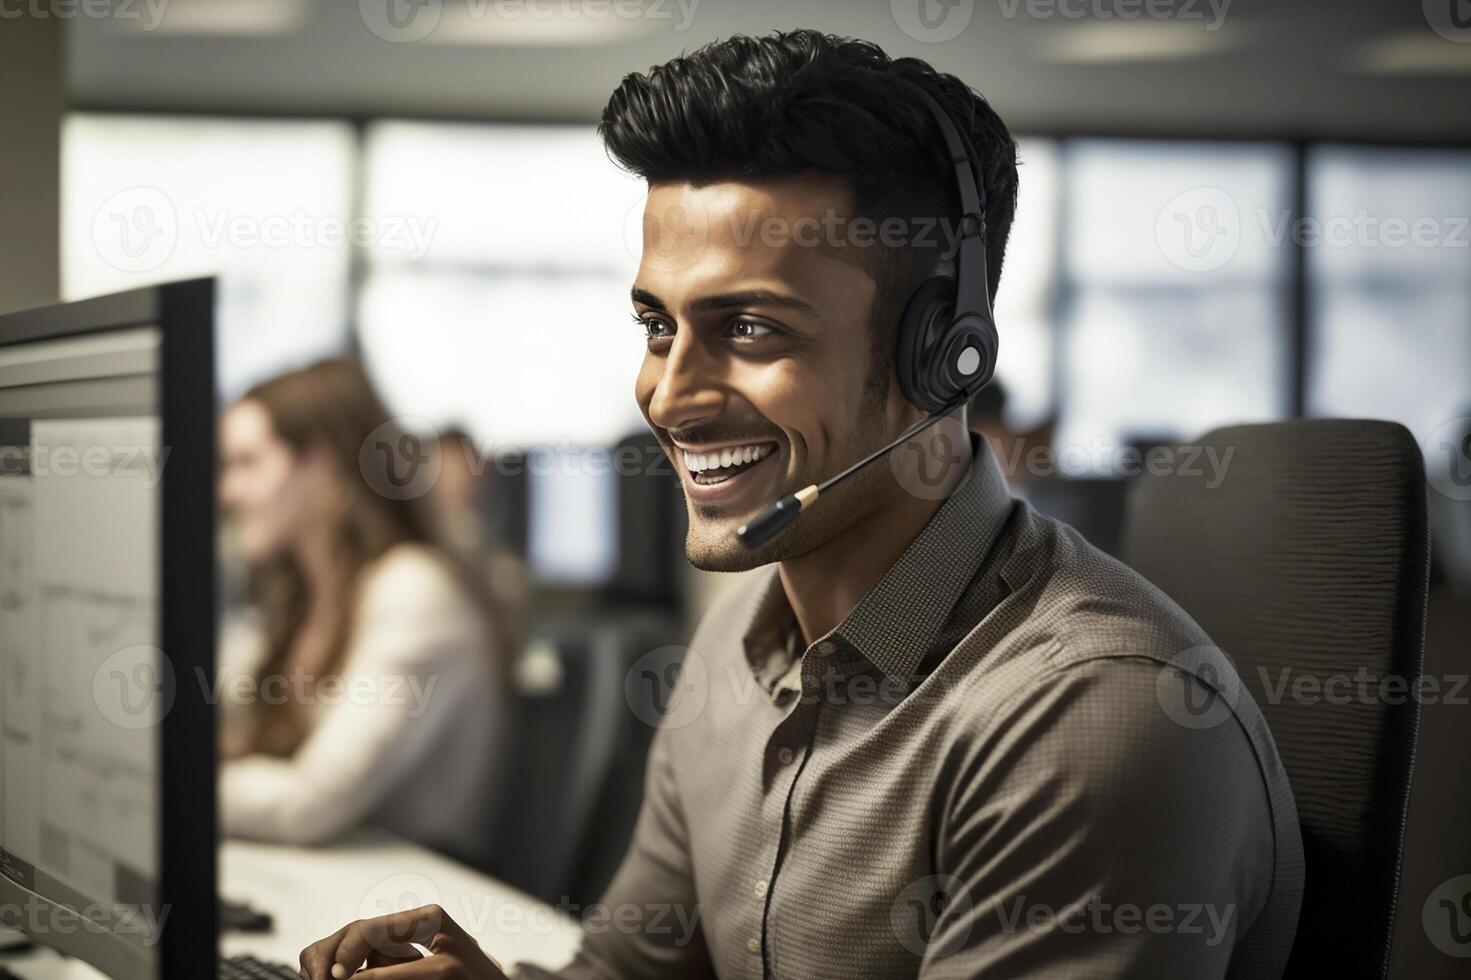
pixel 311 893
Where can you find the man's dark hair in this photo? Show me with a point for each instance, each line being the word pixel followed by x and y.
pixel 805 102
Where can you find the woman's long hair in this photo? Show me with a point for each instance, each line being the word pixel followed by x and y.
pixel 332 406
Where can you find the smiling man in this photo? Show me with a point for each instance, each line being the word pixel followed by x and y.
pixel 940 735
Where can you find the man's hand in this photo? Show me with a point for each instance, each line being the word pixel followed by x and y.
pixel 385 948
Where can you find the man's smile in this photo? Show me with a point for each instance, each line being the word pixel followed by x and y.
pixel 736 475
pixel 710 466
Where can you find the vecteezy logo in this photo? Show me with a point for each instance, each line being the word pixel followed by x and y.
pixel 667 687
pixel 1199 688
pixel 916 913
pixel 927 466
pixel 1446 917
pixel 1448 458
pixel 134 687
pixel 136 230
pixel 932 21
pixel 398 459
pixel 1199 230
pixel 411 451
pixel 400 21
pixel 667 239
pixel 1451 19
pixel 400 893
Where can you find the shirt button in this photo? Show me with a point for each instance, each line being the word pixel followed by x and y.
pixel 826 647
pixel 784 756
pixel 753 945
pixel 760 889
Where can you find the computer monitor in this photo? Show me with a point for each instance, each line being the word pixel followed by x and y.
pixel 572 516
pixel 607 520
pixel 107 630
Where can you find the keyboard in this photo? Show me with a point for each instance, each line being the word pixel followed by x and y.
pixel 250 968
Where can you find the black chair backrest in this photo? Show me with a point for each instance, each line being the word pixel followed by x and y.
pixel 1302 548
pixel 579 739
pixel 1092 506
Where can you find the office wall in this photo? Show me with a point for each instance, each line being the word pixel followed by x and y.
pixel 32 78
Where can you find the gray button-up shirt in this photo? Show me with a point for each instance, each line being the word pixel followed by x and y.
pixel 1014 758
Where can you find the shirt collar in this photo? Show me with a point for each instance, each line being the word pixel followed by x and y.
pixel 895 624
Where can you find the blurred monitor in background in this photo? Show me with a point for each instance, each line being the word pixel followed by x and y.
pixel 372 689
pixel 606 520
pixel 1094 506
pixel 572 516
pixel 1023 454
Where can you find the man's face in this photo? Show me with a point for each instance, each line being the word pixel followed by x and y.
pixel 758 379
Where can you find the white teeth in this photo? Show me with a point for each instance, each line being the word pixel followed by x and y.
pixel 721 458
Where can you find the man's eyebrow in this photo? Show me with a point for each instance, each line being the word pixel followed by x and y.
pixel 646 298
pixel 727 301
pixel 751 297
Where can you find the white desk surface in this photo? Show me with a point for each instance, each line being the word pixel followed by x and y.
pixel 311 893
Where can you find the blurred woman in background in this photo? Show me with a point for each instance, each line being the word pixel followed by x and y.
pixel 374 691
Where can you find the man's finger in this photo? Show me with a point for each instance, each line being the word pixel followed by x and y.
pixel 473 964
pixel 388 934
pixel 422 969
pixel 317 959
pixel 393 957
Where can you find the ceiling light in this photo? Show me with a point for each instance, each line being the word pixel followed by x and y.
pixel 1123 42
pixel 1415 53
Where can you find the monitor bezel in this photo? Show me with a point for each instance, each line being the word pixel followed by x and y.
pixel 183 313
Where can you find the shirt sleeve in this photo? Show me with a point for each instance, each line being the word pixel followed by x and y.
pixel 1090 834
pixel 648 922
pixel 410 666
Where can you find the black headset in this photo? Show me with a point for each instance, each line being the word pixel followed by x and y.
pixel 947 336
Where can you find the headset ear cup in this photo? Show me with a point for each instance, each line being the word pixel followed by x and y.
pixel 926 319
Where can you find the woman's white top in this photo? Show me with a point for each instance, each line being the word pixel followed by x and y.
pixel 411 738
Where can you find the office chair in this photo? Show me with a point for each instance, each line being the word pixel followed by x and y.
pixel 580 737
pixel 1092 506
pixel 1310 558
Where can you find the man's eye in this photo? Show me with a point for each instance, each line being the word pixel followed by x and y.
pixel 749 330
pixel 656 329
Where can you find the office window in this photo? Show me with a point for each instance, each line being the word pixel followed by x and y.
pixel 1023 303
pixel 1172 293
pixel 510 315
pixel 520 357
pixel 265 205
pixel 1389 276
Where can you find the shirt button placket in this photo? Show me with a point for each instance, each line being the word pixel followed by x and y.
pixel 797 727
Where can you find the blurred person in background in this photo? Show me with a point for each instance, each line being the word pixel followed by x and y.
pixel 374 690
pixel 460 491
pixel 462 497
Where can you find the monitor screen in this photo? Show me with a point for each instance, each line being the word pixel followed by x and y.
pixel 85 685
pixel 572 516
